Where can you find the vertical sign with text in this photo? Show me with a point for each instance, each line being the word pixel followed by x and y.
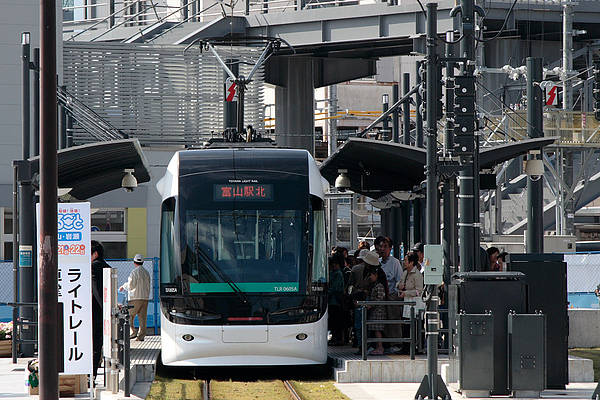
pixel 75 284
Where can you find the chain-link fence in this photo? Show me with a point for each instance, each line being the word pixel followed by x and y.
pixel 124 268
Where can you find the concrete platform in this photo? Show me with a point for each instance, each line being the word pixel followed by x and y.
pixel 350 368
pixel 395 391
pixel 143 368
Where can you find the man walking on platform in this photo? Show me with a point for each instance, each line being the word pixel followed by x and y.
pixel 138 288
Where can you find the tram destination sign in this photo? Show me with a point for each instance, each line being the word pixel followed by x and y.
pixel 243 192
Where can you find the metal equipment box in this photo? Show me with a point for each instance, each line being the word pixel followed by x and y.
pixel 526 354
pixel 546 277
pixel 434 264
pixel 475 347
pixel 497 293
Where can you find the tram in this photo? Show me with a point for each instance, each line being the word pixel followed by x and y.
pixel 243 258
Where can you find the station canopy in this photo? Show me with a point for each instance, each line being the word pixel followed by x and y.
pixel 97 168
pixel 376 168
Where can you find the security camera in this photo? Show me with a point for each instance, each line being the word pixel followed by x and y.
pixel 129 182
pixel 534 168
pixel 342 182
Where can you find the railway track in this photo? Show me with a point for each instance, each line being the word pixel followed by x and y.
pixel 293 395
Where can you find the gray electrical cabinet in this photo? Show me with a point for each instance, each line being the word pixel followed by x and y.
pixel 526 354
pixel 475 348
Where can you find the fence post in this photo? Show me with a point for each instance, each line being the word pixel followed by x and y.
pixel 412 332
pixel 363 328
pixel 156 292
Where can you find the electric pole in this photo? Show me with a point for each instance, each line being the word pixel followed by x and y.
pixel 535 196
pixel 48 236
pixel 432 386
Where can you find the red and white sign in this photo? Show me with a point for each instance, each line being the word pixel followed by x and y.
pixel 550 93
pixel 230 90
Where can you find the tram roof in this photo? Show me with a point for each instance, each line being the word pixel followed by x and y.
pixel 376 167
pixel 96 168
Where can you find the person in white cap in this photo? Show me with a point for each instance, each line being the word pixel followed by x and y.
pixel 138 292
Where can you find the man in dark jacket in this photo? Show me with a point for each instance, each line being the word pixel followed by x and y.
pixel 98 264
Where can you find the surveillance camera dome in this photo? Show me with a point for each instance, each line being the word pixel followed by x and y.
pixel 342 182
pixel 129 182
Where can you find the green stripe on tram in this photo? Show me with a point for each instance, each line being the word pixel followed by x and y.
pixel 249 287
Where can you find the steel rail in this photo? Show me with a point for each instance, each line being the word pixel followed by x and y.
pixel 291 390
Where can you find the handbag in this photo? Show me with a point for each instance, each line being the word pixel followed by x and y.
pixel 419 306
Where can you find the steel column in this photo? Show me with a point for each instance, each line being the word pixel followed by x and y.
pixel 385 105
pixel 395 122
pixel 35 143
pixel 406 109
pixel 25 212
pixel 468 198
pixel 48 289
pixel 432 199
pixel 534 242
pixel 419 105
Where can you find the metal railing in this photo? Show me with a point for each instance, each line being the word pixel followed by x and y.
pixel 411 322
pixel 124 345
pixel 18 324
pixel 88 119
pixel 110 14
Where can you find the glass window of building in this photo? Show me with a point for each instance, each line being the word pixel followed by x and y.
pixel 108 220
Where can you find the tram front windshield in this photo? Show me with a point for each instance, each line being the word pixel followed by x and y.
pixel 248 250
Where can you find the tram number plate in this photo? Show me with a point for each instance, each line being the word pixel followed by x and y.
pixel 285 288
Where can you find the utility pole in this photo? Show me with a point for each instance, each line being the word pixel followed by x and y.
pixel 432 386
pixel 385 105
pixel 48 236
pixel 535 230
pixel 432 197
pixel 450 237
pixel 395 114
pixel 331 147
pixel 406 109
pixel 568 206
pixel 419 105
pixel 467 142
pixel 25 212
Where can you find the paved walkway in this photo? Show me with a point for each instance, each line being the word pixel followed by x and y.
pixel 12 384
pixel 406 391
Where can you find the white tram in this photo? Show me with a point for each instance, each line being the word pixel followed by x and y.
pixel 243 262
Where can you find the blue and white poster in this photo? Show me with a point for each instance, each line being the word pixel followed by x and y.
pixel 75 284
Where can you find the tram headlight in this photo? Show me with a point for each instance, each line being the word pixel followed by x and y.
pixel 301 336
pixel 187 337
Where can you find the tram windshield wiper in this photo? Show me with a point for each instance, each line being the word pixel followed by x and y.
pixel 217 271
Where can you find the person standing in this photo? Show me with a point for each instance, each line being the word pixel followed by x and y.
pixel 98 264
pixel 419 249
pixel 393 272
pixel 138 293
pixel 335 296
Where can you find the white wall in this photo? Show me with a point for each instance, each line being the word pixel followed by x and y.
pixel 17 16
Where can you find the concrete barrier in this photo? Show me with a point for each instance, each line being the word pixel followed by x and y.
pixel 584 327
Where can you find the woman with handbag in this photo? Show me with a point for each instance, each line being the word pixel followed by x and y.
pixel 410 288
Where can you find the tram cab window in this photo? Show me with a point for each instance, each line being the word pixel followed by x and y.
pixel 319 247
pixel 169 268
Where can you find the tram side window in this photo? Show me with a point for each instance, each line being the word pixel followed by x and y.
pixel 319 264
pixel 168 268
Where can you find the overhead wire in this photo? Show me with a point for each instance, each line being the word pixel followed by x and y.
pixel 439 38
pixel 501 29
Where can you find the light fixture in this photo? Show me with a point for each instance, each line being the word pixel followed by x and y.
pixel 129 182
pixel 25 38
pixel 385 99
